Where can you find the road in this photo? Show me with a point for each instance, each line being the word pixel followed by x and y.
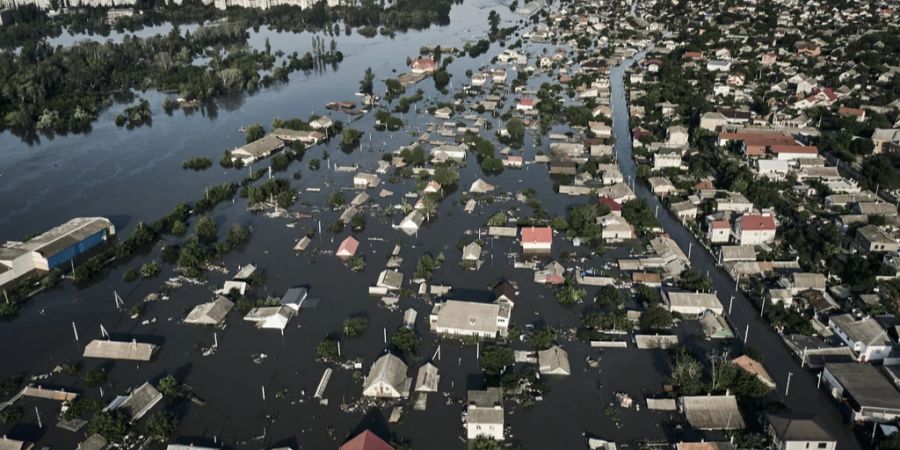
pixel 804 396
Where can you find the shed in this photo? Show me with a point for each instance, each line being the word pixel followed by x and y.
pixel 211 313
pixel 427 378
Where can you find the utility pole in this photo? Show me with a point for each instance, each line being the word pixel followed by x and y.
pixel 787 388
pixel 746 333
pixel 730 304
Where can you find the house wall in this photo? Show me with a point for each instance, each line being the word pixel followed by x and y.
pixel 754 237
pixel 493 431
pixel 66 254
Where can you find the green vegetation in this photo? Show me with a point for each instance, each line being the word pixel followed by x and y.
pixel 199 163
pixel 254 132
pixel 638 213
pixel 327 350
pixel 112 425
pixel 406 341
pixel 515 133
pixel 495 359
pixel 355 326
pixel 134 116
pixel 384 120
pixel 569 293
pixel 655 318
pixel 162 426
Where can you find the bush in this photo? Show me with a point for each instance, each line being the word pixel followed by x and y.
pixel 406 340
pixel 655 318
pixel 327 350
pixel 355 326
pixel 112 425
pixel 201 163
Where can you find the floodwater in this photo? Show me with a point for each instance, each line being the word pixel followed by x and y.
pixel 135 175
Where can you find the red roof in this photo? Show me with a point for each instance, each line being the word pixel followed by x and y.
pixel 348 246
pixel 612 204
pixel 755 222
pixel 719 224
pixel 424 63
pixel 366 440
pixel 750 138
pixel 537 235
pixel 527 102
pixel 851 111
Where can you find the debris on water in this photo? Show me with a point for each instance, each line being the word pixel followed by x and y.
pixel 624 399
pixel 258 358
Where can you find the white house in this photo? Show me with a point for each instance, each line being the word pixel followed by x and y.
pixel 719 232
pixel 614 228
pixel 798 432
pixel 666 160
pixel 465 318
pixel 754 229
pixel 537 239
pixel 411 223
pixel 868 340
pixel 387 378
pixel 484 414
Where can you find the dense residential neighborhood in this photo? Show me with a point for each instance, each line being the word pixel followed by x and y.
pixel 560 224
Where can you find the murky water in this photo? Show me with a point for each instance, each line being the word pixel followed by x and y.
pixel 136 175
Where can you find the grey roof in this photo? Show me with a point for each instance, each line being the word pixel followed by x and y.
pixel 427 378
pixel 554 361
pixel 94 442
pixel 391 370
pixel 480 415
pixel 136 351
pixel 797 427
pixel 245 273
pixel 738 253
pixel 868 387
pixel 140 401
pixel 472 251
pixel 708 412
pixel 866 330
pixel 474 316
pixel 487 398
pixel 211 313
pixel 807 280
pixel 262 147
pixel 692 300
pixel 294 296
pixel 66 235
pixel 392 279
pixel 875 235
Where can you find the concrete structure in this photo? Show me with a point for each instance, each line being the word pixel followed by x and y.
pixel 130 351
pixel 868 340
pixel 258 149
pixel 692 303
pixel 873 239
pixel 869 395
pixel 53 248
pixel 798 432
pixel 484 415
pixel 537 239
pixel 464 318
pixel 754 229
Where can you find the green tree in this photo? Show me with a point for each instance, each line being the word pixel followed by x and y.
pixel 112 425
pixel 406 340
pixel 609 297
pixel 162 425
pixel 206 230
pixel 655 318
pixel 569 293
pixel 494 359
pixel 543 338
pixel 446 175
pixel 498 220
pixel 441 79
pixel 366 84
pixel 355 326
pixel 238 235
pixel 327 350
pixel 254 132
pixel 95 376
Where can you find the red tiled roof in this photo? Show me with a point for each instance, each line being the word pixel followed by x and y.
pixel 719 224
pixel 526 102
pixel 348 246
pixel 424 63
pixel 366 440
pixel 537 235
pixel 756 222
pixel 765 139
pixel 612 204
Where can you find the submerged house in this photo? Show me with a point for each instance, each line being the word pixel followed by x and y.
pixel 211 313
pixel 554 361
pixel 136 404
pixel 387 378
pixel 484 414
pixel 130 351
pixel 347 248
pixel 466 318
pixel 271 317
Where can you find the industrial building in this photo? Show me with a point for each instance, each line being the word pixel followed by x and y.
pixel 54 248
